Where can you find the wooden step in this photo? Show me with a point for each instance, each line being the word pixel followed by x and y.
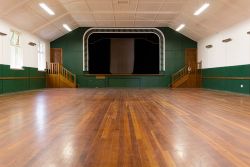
pixel 180 81
pixel 59 77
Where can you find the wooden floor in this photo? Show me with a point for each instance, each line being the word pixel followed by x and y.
pixel 124 127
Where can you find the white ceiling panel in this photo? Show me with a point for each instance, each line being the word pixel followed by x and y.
pixel 124 17
pixel 163 16
pixel 143 23
pixel 88 24
pixel 83 17
pixel 27 15
pixel 49 33
pixel 54 5
pixel 141 16
pixel 24 18
pixel 125 23
pixel 66 20
pixel 161 23
pixel 75 6
pixel 171 6
pixel 8 6
pixel 125 5
pixel 104 16
pixel 102 23
pixel 103 5
pixel 151 7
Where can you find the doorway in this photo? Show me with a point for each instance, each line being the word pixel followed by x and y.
pixel 194 80
pixel 56 55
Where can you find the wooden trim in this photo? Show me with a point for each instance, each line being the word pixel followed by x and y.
pixel 124 75
pixel 20 78
pixel 100 76
pixel 228 78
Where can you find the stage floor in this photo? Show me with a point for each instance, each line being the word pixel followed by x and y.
pixel 124 127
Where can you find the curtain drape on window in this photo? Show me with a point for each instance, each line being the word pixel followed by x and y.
pixel 16 60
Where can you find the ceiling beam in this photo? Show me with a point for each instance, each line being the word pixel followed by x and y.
pixel 50 22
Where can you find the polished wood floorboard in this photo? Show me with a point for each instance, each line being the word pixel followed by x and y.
pixel 124 128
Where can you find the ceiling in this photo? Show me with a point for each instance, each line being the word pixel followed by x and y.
pixel 27 15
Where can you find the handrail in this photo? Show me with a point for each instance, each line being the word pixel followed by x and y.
pixel 179 74
pixel 56 68
pixel 187 69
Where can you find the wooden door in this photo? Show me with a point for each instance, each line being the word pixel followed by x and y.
pixel 191 62
pixel 191 56
pixel 56 55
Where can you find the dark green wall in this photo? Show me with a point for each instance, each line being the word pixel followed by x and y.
pixel 227 83
pixel 15 85
pixel 72 45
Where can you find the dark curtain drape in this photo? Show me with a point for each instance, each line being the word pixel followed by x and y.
pixel 122 56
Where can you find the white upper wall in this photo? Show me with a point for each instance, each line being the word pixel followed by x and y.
pixel 30 56
pixel 236 52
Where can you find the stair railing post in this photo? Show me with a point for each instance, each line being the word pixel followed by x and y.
pixel 58 74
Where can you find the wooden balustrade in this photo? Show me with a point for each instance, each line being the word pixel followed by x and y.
pixel 58 69
pixel 53 68
pixel 182 72
pixel 186 70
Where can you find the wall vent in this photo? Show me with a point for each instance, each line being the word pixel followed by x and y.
pixel 2 34
pixel 227 40
pixel 32 44
pixel 209 46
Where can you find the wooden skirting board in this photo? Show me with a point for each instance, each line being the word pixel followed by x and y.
pixel 20 78
pixel 124 75
pixel 228 78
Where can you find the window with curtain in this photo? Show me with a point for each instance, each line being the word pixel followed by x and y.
pixel 41 57
pixel 16 55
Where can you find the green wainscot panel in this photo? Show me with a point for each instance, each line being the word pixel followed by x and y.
pixel 237 71
pixel 82 81
pixel 1 82
pixel 33 72
pixel 37 83
pixel 232 85
pixel 97 83
pixel 1 86
pixel 240 86
pixel 155 82
pixel 15 85
pixel 214 84
pixel 124 82
pixel 7 72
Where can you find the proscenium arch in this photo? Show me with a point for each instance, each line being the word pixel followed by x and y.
pixel 128 31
